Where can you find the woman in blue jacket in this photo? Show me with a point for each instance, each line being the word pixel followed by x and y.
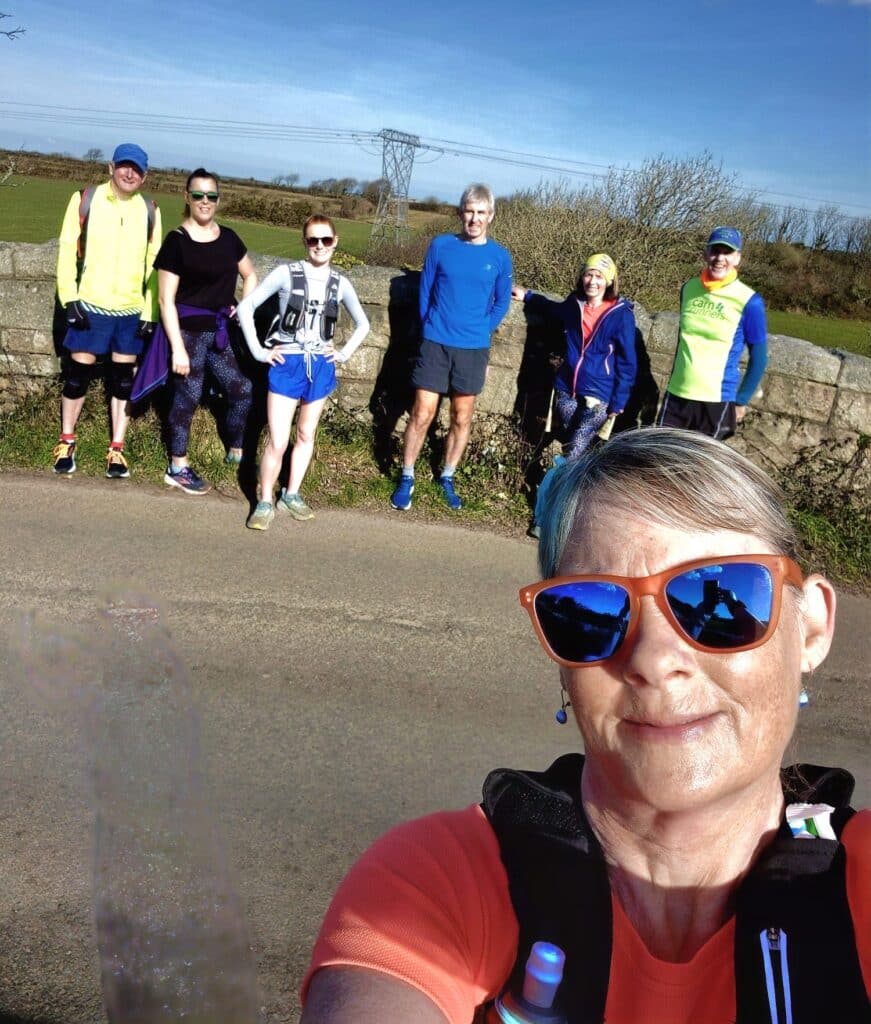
pixel 593 383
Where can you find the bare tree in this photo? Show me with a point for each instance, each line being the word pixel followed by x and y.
pixel 371 190
pixel 787 224
pixel 673 194
pixel 11 33
pixel 857 235
pixel 288 180
pixel 827 227
pixel 94 154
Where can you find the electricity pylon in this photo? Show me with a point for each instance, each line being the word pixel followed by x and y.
pixel 391 217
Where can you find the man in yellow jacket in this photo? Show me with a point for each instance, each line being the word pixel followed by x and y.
pixel 108 288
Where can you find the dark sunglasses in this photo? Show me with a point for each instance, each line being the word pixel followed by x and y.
pixel 326 241
pixel 716 604
pixel 199 196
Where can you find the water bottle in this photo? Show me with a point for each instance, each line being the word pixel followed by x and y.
pixel 535 1003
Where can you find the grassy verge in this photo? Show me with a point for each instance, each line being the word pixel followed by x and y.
pixel 833 521
pixel 830 511
pixel 344 472
pixel 830 332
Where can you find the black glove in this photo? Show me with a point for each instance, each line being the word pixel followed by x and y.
pixel 145 330
pixel 77 316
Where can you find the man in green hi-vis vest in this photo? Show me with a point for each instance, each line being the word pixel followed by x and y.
pixel 719 315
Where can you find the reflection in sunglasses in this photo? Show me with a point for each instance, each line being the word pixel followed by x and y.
pixel 730 604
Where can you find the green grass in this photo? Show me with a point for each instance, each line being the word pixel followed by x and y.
pixel 849 335
pixel 832 523
pixel 31 210
pixel 344 472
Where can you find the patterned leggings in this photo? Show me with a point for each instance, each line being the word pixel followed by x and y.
pixel 187 391
pixel 579 422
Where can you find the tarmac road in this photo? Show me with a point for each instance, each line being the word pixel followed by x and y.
pixel 349 672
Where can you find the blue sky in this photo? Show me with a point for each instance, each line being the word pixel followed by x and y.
pixel 779 90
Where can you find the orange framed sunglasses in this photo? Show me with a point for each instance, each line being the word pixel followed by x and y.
pixel 720 605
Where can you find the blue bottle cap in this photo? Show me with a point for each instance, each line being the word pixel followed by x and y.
pixel 544 972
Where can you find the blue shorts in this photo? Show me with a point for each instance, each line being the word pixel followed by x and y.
pixel 447 369
pixel 290 379
pixel 106 334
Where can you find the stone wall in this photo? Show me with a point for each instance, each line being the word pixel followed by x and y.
pixel 810 396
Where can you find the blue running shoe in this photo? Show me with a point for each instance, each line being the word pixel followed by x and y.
pixel 401 499
pixel 187 479
pixel 451 496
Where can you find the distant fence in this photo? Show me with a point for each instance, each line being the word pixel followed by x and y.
pixel 810 396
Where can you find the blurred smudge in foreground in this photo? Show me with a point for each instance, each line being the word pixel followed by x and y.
pixel 173 940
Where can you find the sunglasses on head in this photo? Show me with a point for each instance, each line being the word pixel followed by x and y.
pixel 720 605
pixel 326 241
pixel 199 196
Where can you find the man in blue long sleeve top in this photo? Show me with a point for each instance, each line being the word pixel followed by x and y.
pixel 719 315
pixel 465 291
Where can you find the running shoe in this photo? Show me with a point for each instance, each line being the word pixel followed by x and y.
pixel 401 498
pixel 65 457
pixel 294 504
pixel 187 479
pixel 261 517
pixel 451 497
pixel 116 465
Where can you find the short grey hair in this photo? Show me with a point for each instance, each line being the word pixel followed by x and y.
pixel 677 478
pixel 478 193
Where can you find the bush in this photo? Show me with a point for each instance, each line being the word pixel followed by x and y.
pixel 356 208
pixel 827 496
pixel 408 253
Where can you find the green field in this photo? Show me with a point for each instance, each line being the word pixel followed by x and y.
pixel 850 335
pixel 31 210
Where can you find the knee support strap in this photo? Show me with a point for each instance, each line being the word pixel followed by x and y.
pixel 77 377
pixel 121 379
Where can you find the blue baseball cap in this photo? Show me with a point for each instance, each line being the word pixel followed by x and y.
pixel 726 236
pixel 129 152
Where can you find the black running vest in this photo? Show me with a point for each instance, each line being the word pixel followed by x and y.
pixel 560 892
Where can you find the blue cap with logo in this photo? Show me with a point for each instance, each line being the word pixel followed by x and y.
pixel 130 153
pixel 726 236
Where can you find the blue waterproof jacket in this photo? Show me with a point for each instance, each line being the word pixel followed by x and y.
pixel 604 366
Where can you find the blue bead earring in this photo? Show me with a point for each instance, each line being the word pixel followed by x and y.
pixel 562 716
pixel 803 698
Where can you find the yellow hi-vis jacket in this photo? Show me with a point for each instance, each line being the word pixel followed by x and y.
pixel 118 273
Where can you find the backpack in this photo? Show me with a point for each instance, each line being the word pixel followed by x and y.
pixel 86 195
pixel 559 889
pixel 297 303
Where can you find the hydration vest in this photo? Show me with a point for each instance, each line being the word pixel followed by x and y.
pixel 293 314
pixel 796 960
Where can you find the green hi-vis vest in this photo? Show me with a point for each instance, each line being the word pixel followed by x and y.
pixel 708 322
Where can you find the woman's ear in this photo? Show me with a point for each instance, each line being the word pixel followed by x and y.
pixel 817 613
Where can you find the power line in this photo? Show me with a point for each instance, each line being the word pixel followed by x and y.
pixel 141 121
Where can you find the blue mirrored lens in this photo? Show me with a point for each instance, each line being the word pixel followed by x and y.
pixel 583 621
pixel 723 606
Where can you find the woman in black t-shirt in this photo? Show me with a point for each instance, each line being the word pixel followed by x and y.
pixel 198 265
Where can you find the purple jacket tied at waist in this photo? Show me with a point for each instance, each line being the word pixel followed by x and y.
pixel 154 369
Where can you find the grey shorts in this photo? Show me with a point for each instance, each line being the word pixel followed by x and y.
pixel 448 370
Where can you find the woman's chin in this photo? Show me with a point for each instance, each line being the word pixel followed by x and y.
pixel 672 778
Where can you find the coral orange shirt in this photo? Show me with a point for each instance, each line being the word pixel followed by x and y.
pixel 592 315
pixel 428 903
